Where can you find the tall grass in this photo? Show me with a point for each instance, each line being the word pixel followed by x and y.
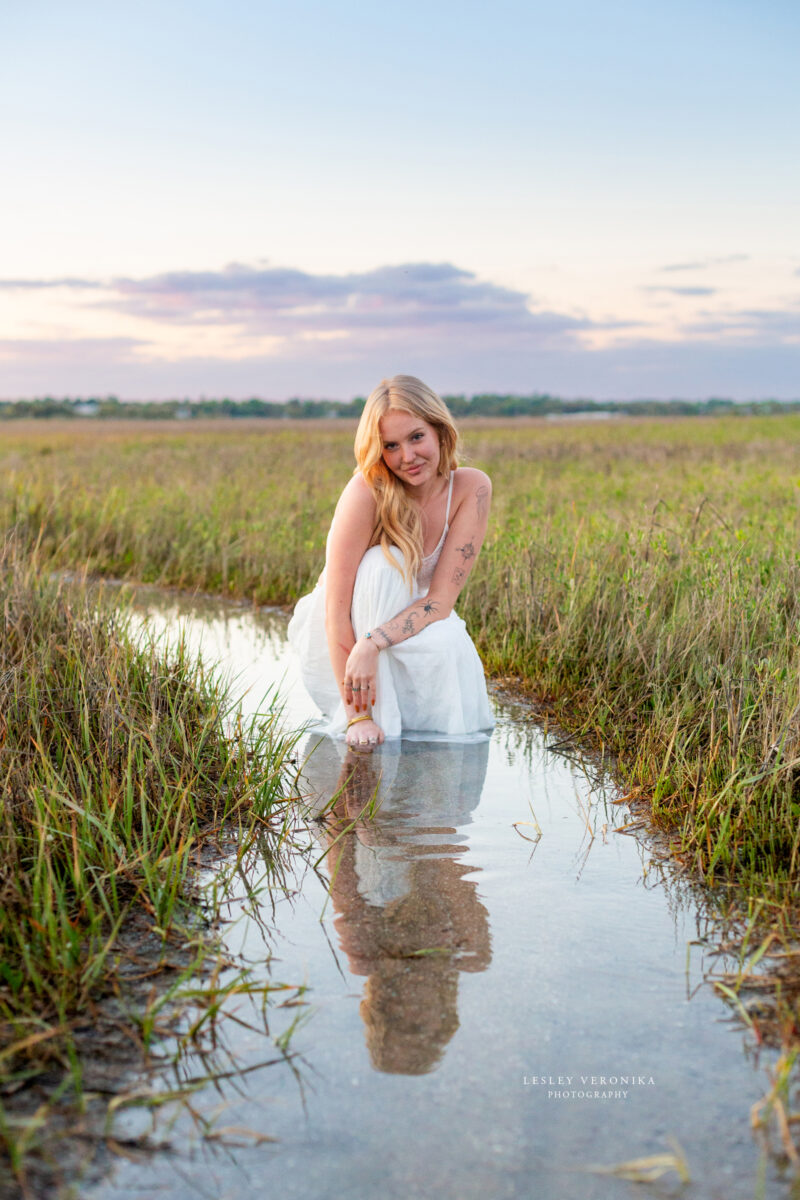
pixel 115 766
pixel 641 577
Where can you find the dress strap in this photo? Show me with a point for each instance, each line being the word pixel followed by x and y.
pixel 449 498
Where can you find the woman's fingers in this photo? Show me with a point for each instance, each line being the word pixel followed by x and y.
pixel 369 694
pixel 360 676
pixel 361 692
pixel 364 735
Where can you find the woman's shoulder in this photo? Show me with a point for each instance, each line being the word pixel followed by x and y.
pixel 471 486
pixel 470 480
pixel 357 499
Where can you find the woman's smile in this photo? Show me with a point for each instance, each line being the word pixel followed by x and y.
pixel 410 446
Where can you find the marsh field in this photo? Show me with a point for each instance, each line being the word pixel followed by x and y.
pixel 639 577
pixel 639 582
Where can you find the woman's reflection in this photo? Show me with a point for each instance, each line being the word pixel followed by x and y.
pixel 406 916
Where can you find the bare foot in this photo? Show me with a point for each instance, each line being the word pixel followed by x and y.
pixel 364 735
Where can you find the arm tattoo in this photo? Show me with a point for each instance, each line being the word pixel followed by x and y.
pixel 408 624
pixel 467 551
pixel 458 575
pixel 383 634
pixel 430 607
pixel 482 500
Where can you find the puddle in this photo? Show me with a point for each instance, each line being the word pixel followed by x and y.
pixel 489 1011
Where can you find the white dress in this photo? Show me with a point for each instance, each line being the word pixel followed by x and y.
pixel 433 682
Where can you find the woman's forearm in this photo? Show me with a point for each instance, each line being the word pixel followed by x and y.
pixel 340 642
pixel 360 672
pixel 411 620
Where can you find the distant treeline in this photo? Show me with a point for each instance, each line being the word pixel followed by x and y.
pixel 485 404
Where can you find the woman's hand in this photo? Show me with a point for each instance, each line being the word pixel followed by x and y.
pixel 360 675
pixel 364 735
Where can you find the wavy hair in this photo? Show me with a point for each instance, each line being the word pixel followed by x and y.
pixel 398 519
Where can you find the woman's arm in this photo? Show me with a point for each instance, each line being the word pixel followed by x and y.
pixel 349 540
pixel 459 554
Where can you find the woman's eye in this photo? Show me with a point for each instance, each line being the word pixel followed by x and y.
pixel 415 437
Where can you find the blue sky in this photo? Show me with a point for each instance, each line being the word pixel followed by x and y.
pixel 271 200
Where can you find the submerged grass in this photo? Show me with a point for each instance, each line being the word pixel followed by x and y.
pixel 116 767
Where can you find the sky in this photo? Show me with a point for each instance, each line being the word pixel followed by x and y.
pixel 261 199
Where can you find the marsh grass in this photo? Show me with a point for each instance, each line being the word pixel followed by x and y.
pixel 120 764
pixel 640 577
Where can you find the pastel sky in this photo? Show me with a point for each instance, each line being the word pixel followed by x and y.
pixel 267 199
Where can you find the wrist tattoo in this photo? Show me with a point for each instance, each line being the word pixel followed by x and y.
pixel 383 634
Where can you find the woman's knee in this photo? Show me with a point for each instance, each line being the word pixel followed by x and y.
pixel 380 590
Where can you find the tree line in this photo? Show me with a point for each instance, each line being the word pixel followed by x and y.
pixel 483 404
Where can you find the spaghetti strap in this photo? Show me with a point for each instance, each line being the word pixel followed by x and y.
pixel 449 498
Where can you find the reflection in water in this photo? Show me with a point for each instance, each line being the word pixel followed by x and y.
pixel 407 917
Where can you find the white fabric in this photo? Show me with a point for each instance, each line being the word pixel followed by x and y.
pixel 431 682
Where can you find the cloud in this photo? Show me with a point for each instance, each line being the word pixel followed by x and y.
pixel 681 291
pixel 34 284
pixel 275 331
pixel 766 326
pixel 424 297
pixel 704 263
pixel 427 299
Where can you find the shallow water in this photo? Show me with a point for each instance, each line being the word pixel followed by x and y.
pixel 489 1011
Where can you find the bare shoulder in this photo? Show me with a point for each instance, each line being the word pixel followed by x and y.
pixel 471 478
pixel 356 503
pixel 469 481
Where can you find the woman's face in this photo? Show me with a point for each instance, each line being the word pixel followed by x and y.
pixel 410 447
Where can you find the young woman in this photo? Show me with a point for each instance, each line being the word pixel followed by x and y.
pixel 381 649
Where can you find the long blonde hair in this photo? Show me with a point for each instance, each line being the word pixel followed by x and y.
pixel 398 519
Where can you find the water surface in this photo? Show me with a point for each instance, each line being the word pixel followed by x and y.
pixel 501 990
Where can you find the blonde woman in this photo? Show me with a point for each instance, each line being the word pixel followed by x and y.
pixel 381 649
